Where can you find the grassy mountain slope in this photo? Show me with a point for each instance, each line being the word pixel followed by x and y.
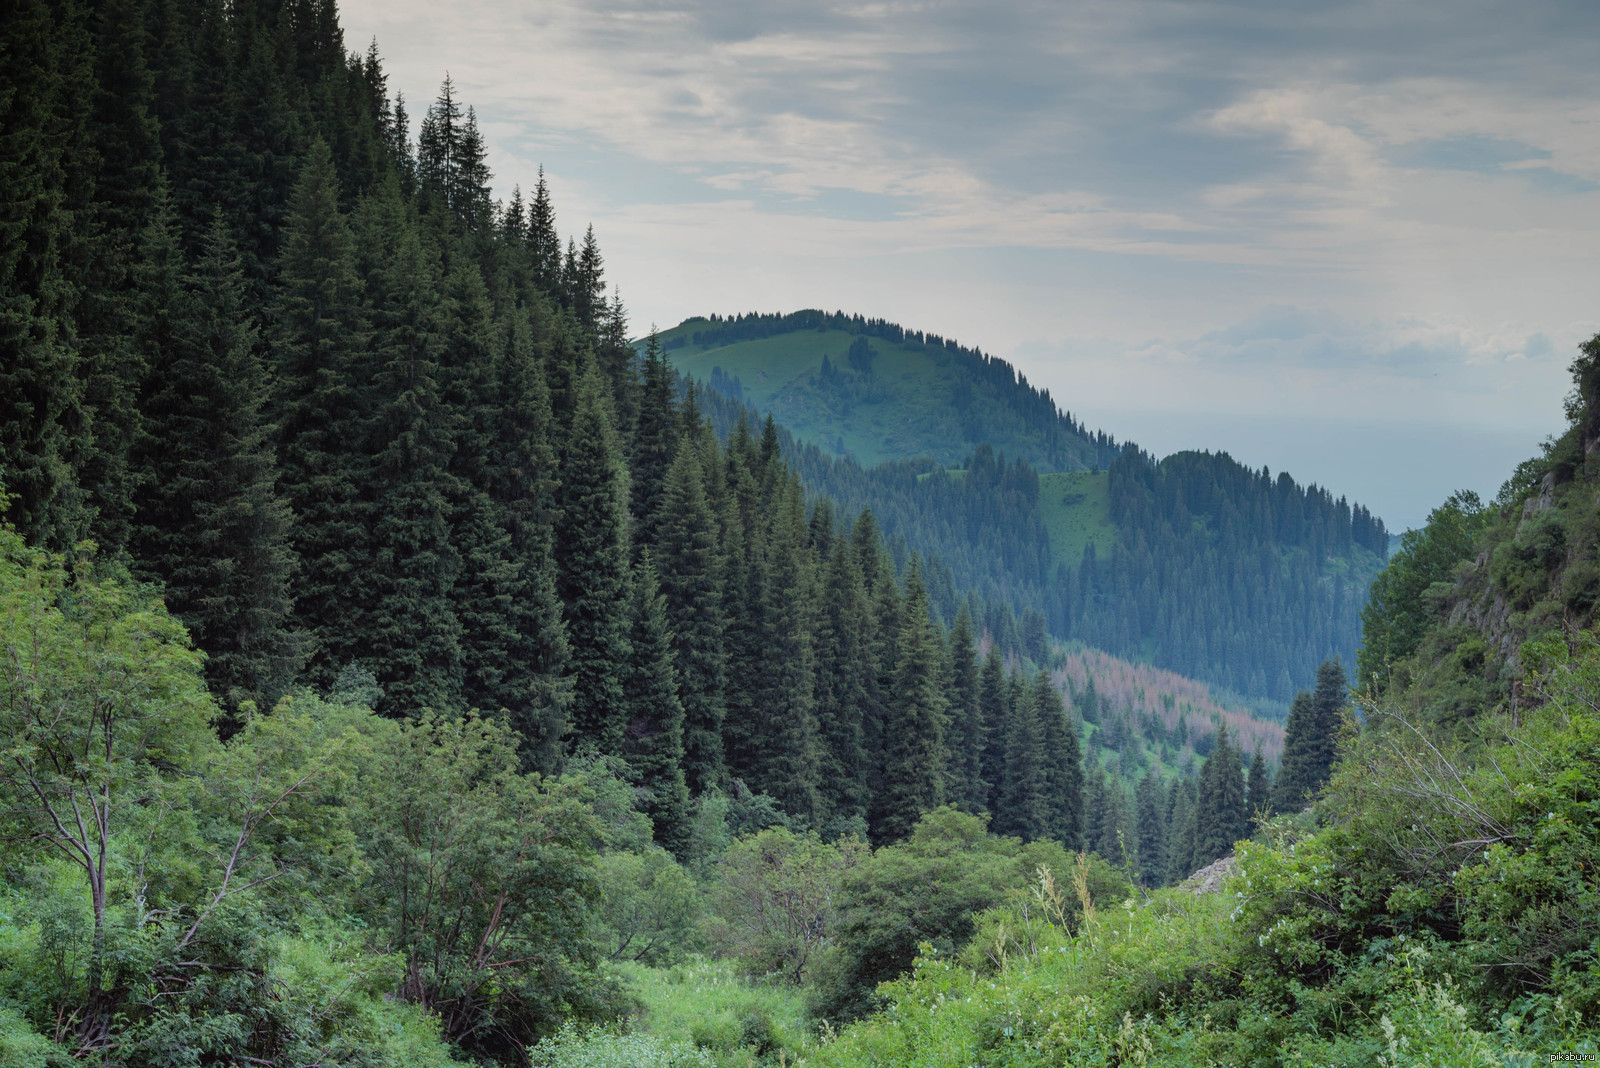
pixel 874 392
pixel 1076 508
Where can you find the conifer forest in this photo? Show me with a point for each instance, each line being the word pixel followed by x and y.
pixel 407 660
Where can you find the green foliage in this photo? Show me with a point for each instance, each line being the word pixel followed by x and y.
pixel 775 900
pixel 574 1047
pixel 1400 607
pixel 649 908
pixel 925 890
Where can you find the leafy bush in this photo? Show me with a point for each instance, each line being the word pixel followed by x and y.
pixel 573 1047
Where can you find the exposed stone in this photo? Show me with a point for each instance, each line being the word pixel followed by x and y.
pixel 1210 879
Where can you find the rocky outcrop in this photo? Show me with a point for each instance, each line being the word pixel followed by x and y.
pixel 1211 878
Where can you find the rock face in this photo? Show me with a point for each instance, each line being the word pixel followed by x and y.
pixel 1209 879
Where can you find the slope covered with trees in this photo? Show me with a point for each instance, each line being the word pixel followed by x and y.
pixel 1195 563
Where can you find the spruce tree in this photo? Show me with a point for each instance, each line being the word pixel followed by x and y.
pixel 844 673
pixel 44 427
pixel 210 525
pixel 686 546
pixel 1220 814
pixel 1150 803
pixel 655 442
pixel 967 787
pixel 913 774
pixel 992 712
pixel 1021 810
pixel 320 338
pixel 1258 786
pixel 653 740
pixel 1061 765
pixel 1311 739
pixel 794 765
pixel 412 633
pixel 591 538
pixel 521 479
pixel 1181 830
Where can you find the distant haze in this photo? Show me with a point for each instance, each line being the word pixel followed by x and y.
pixel 1353 240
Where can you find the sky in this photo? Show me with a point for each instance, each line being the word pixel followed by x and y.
pixel 1352 239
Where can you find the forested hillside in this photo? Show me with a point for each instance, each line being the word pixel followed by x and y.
pixel 1195 563
pixel 1430 908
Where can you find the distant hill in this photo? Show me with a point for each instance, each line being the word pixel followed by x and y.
pixel 1195 563
pixel 873 391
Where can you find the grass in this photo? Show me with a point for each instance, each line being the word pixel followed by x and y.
pixel 1076 508
pixel 708 1004
pixel 904 410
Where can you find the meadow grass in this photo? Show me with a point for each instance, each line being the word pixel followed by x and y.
pixel 708 1004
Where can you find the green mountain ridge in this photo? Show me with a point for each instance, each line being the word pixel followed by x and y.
pixel 1193 563
pixel 875 392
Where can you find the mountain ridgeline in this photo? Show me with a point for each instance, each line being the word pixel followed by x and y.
pixel 1194 562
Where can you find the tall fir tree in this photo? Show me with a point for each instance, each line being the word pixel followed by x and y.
pixel 992 711
pixel 1258 785
pixel 913 735
pixel 1181 829
pixel 653 739
pixel 1220 814
pixel 1150 803
pixel 520 477
pixel 591 539
pixel 655 442
pixel 686 546
pixel 967 787
pixel 786 737
pixel 1061 765
pixel 44 425
pixel 210 524
pixel 320 339
pixel 1311 739
pixel 413 635
pixel 844 673
pixel 1020 809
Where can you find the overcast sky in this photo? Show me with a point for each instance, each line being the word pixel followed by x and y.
pixel 1353 240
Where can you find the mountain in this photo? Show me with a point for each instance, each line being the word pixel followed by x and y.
pixel 1194 562
pixel 874 392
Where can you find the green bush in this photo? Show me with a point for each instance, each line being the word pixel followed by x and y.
pixel 574 1047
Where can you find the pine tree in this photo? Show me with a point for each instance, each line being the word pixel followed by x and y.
pixel 44 428
pixel 992 711
pixel 1061 765
pixel 1258 787
pixel 1150 802
pixel 1181 830
pixel 591 555
pixel 686 545
pixel 653 740
pixel 655 442
pixel 1220 815
pixel 967 787
pixel 521 478
pixel 788 760
pixel 913 774
pixel 1020 809
pixel 210 525
pixel 320 337
pixel 544 244
pixel 1310 740
pixel 844 673
pixel 413 634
